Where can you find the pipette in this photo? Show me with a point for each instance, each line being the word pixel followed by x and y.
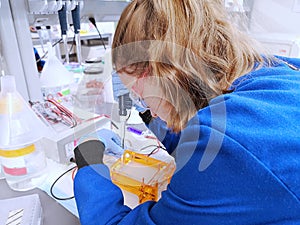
pixel 62 15
pixel 76 23
pixel 125 105
pixel 39 31
pixel 48 28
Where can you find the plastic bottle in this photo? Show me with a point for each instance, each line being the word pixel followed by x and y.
pixel 55 78
pixel 23 161
pixel 1 173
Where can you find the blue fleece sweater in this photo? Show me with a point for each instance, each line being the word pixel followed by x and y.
pixel 238 162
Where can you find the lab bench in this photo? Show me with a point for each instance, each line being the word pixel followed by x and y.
pixel 53 212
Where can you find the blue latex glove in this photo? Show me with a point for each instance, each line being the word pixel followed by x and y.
pixel 139 109
pixel 111 141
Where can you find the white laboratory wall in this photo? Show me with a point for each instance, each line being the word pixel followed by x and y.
pixel 276 24
pixel 10 48
pixel 17 42
pixel 275 16
pixel 18 49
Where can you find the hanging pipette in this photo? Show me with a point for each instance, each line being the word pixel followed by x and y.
pixel 76 23
pixel 48 28
pixel 62 15
pixel 39 31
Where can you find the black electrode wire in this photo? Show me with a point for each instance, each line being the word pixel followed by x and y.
pixel 93 21
pixel 154 150
pixel 114 125
pixel 156 147
pixel 52 186
pixel 45 54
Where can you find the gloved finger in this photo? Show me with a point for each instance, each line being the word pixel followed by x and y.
pixel 109 135
pixel 106 133
pixel 111 140
pixel 116 139
pixel 112 148
pixel 139 109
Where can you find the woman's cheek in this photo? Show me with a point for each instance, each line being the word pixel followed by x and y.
pixel 160 109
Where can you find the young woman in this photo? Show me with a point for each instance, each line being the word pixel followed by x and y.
pixel 226 111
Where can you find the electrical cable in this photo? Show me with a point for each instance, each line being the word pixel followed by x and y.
pixel 63 112
pixel 52 186
pixel 100 116
pixel 157 147
pixel 45 54
pixel 155 150
pixel 44 111
pixel 74 172
pixel 93 21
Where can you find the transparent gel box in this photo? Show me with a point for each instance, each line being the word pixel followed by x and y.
pixel 142 175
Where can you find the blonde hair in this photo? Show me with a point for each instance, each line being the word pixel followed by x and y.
pixel 191 46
